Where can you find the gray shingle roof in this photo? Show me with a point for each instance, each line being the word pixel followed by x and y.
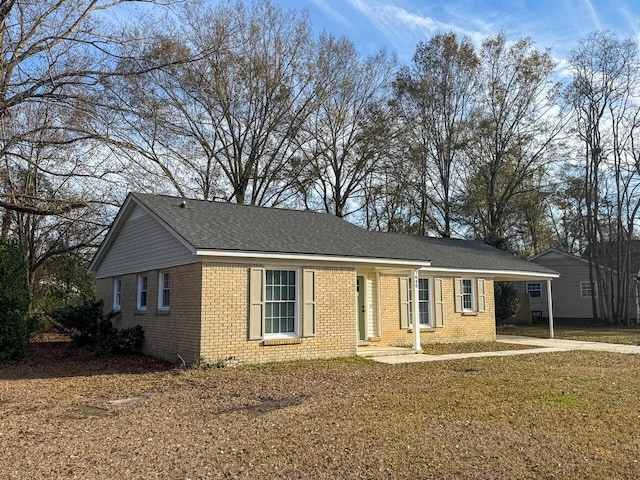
pixel 224 226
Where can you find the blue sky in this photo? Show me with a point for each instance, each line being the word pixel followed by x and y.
pixel 398 25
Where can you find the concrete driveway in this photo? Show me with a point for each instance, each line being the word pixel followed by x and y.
pixel 544 345
pixel 570 344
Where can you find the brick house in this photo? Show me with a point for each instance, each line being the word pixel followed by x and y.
pixel 216 280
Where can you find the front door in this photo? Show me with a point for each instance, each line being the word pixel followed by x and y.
pixel 362 330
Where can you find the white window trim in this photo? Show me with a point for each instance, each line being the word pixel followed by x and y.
pixel 161 288
pixel 139 305
pixel 297 314
pixel 594 289
pixel 526 288
pixel 474 294
pixel 117 293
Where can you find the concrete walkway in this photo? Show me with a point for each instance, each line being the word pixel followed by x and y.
pixel 545 345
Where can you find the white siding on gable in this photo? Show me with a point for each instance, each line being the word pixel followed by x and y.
pixel 143 244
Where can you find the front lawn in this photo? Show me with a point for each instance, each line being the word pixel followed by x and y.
pixel 557 415
pixel 629 336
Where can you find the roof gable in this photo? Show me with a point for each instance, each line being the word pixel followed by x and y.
pixel 139 240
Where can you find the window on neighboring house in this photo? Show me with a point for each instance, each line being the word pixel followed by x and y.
pixel 143 283
pixel 164 291
pixel 534 289
pixel 468 297
pixel 586 291
pixel 280 302
pixel 117 293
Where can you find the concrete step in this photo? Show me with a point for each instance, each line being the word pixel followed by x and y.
pixel 369 351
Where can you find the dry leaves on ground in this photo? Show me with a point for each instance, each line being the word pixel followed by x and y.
pixel 561 415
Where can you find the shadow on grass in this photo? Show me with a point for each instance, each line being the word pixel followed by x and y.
pixel 60 358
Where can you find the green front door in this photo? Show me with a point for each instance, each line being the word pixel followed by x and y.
pixel 362 330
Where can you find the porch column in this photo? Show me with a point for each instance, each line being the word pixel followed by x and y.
pixel 550 308
pixel 416 316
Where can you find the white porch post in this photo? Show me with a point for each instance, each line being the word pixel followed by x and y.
pixel 416 316
pixel 550 308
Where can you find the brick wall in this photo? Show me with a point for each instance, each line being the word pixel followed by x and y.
pixel 167 333
pixel 225 316
pixel 457 327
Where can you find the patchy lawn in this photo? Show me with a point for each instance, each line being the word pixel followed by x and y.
pixel 561 415
pixel 628 336
pixel 471 347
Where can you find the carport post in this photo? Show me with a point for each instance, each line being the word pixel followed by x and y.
pixel 416 315
pixel 550 308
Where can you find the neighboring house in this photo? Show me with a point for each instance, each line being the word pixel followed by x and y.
pixel 218 280
pixel 572 292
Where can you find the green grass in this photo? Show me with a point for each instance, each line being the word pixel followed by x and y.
pixel 627 336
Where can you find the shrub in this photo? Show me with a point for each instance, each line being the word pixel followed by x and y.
pixel 88 326
pixel 507 304
pixel 16 325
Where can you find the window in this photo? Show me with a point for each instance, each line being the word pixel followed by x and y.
pixel 534 289
pixel 586 291
pixel 280 302
pixel 424 308
pixel 143 282
pixel 467 295
pixel 424 302
pixel 117 293
pixel 164 291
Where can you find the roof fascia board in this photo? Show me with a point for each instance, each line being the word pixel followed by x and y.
pixel 311 257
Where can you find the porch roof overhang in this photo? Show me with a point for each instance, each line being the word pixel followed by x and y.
pixel 497 274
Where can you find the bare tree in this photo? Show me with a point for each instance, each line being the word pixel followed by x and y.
pixel 516 128
pixel 219 117
pixel 55 178
pixel 339 142
pixel 436 96
pixel 604 96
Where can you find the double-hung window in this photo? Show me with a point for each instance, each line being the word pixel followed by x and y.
pixel 423 308
pixel 534 289
pixel 117 293
pixel 587 290
pixel 468 297
pixel 143 285
pixel 424 302
pixel 164 291
pixel 280 303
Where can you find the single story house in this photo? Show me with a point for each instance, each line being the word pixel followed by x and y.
pixel 572 292
pixel 216 280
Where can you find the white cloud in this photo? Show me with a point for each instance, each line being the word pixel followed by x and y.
pixel 402 26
